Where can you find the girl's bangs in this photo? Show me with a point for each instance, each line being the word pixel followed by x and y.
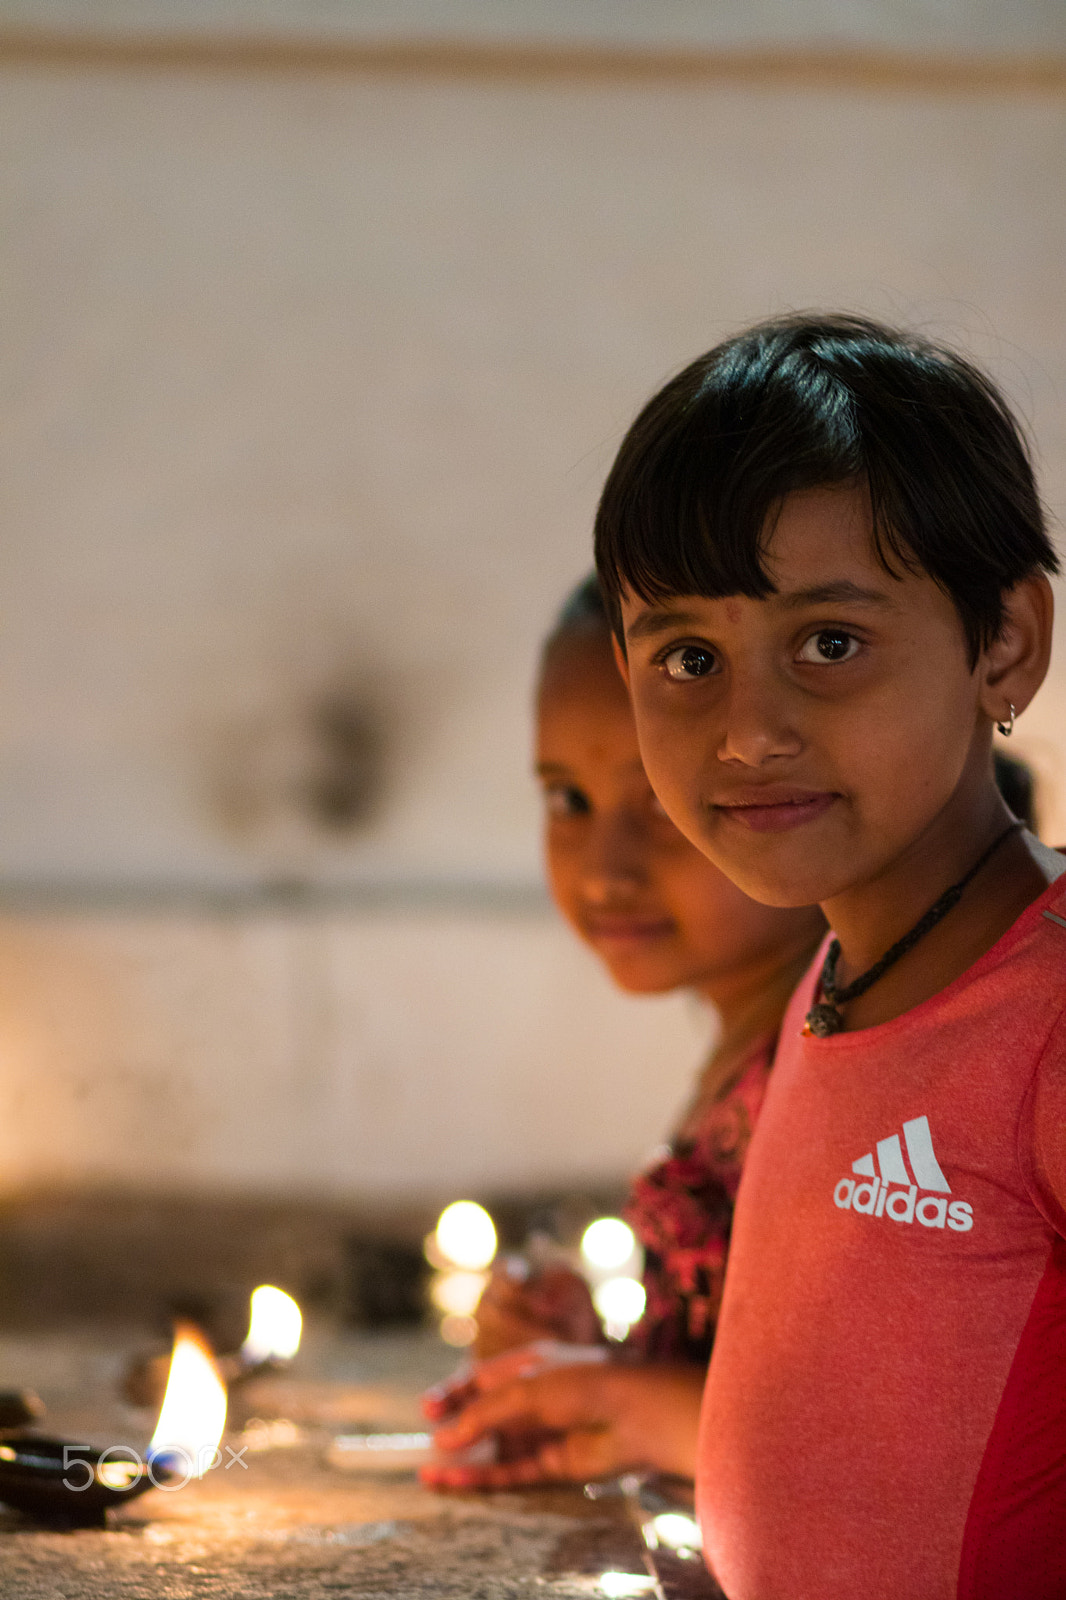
pixel 687 534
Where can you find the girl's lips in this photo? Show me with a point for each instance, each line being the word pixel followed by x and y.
pixel 627 929
pixel 776 814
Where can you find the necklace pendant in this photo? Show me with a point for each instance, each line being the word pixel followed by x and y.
pixel 822 1020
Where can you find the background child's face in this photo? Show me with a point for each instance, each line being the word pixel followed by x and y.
pixel 657 912
pixel 806 740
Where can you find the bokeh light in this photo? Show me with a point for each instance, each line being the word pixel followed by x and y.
pixel 620 1302
pixel 466 1236
pixel 673 1529
pixel 458 1331
pixel 624 1585
pixel 457 1292
pixel 608 1242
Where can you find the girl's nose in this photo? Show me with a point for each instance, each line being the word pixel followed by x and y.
pixel 614 862
pixel 759 724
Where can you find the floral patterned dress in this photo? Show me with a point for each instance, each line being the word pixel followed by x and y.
pixel 681 1209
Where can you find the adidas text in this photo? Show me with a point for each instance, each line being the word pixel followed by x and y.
pixel 872 1198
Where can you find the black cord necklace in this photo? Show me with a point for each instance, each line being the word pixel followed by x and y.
pixel 825 1017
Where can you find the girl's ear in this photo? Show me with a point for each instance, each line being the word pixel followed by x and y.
pixel 1015 664
pixel 620 658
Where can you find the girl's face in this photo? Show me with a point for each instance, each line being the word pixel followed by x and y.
pixel 821 740
pixel 657 912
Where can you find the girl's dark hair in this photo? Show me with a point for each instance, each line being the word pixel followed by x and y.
pixel 583 612
pixel 584 607
pixel 1016 782
pixel 808 401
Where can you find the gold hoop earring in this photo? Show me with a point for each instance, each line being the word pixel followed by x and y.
pixel 1007 728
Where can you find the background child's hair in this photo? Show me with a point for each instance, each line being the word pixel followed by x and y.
pixel 583 614
pixel 584 607
pixel 1016 782
pixel 807 401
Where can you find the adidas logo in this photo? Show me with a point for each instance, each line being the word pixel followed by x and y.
pixel 875 1197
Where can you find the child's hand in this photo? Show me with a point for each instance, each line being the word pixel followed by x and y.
pixel 571 1423
pixel 553 1304
pixel 449 1397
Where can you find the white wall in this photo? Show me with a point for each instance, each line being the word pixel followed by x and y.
pixel 346 1056
pixel 961 26
pixel 311 382
pixel 310 379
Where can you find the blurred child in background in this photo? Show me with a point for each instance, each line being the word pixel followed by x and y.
pixel 661 917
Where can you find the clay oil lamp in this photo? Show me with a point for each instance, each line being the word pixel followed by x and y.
pixel 273 1338
pixel 72 1485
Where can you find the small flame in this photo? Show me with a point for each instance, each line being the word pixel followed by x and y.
pixel 275 1327
pixel 194 1407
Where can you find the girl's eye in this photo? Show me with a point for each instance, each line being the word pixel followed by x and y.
pixel 687 662
pixel 829 645
pixel 563 800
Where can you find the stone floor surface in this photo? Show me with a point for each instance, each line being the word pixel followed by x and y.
pixel 281 1521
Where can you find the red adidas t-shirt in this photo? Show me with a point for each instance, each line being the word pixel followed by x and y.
pixel 885 1413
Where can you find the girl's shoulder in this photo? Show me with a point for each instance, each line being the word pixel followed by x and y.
pixel 744 1082
pixel 723 1129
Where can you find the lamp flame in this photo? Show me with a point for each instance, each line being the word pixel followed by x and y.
pixel 275 1327
pixel 193 1414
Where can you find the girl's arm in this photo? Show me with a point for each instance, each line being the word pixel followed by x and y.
pixel 573 1423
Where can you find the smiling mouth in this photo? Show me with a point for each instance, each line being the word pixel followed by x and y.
pixel 776 811
pixel 627 929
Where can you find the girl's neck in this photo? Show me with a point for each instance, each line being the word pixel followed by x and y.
pixel 869 918
pixel 750 1006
